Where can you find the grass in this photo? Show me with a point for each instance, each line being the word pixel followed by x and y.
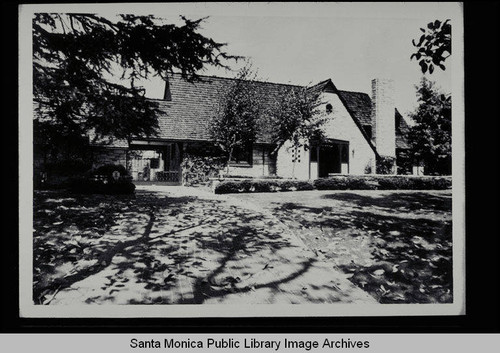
pixel 396 245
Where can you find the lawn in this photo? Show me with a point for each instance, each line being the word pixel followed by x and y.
pixel 396 245
pixel 290 247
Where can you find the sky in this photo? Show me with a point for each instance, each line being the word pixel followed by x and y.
pixel 304 43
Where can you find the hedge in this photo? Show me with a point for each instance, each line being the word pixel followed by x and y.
pixel 372 182
pixel 345 183
pixel 383 182
pixel 233 186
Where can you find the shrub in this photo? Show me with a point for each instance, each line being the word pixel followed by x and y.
pixel 303 185
pixel 361 183
pixel 198 169
pixel 396 183
pixel 101 181
pixel 256 185
pixel 434 183
pixel 264 185
pixel 337 183
pixel 385 165
pixel 383 182
pixel 108 170
pixel 227 187
pixel 380 182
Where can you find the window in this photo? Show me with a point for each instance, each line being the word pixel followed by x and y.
pixel 242 156
pixel 329 108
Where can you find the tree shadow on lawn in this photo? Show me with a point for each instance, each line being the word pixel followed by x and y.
pixel 74 238
pixel 397 258
pixel 399 201
pixel 161 242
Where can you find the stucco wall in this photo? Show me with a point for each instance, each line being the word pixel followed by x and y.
pixel 341 126
pixel 293 163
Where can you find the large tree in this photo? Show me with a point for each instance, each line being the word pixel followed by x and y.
pixel 234 124
pixel 76 60
pixel 295 117
pixel 434 46
pixel 430 137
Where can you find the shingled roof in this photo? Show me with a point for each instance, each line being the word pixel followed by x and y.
pixel 360 104
pixel 402 130
pixel 186 114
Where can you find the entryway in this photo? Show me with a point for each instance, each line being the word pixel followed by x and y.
pixel 331 158
pixel 157 162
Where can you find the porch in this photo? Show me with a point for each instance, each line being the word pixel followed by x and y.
pixel 156 162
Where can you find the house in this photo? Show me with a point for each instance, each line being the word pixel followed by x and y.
pixel 360 129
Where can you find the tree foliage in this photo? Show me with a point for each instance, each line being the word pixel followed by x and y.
pixel 234 124
pixel 295 117
pixel 76 60
pixel 430 138
pixel 434 46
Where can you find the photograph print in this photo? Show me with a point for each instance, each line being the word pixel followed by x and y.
pixel 241 160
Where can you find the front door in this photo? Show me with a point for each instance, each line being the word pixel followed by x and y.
pixel 333 158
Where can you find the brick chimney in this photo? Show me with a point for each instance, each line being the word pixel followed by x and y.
pixel 383 115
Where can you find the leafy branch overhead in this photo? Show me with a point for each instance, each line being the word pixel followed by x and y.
pixel 78 58
pixel 295 117
pixel 434 46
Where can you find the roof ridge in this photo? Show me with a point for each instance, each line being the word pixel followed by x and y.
pixel 233 79
pixel 342 90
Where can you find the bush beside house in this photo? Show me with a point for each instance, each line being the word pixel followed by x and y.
pixel 198 169
pixel 262 185
pixel 373 182
pixel 107 179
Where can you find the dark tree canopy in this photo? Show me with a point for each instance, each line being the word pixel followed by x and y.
pixel 430 138
pixel 76 58
pixel 434 46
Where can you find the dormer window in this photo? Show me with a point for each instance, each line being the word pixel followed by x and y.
pixel 329 108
